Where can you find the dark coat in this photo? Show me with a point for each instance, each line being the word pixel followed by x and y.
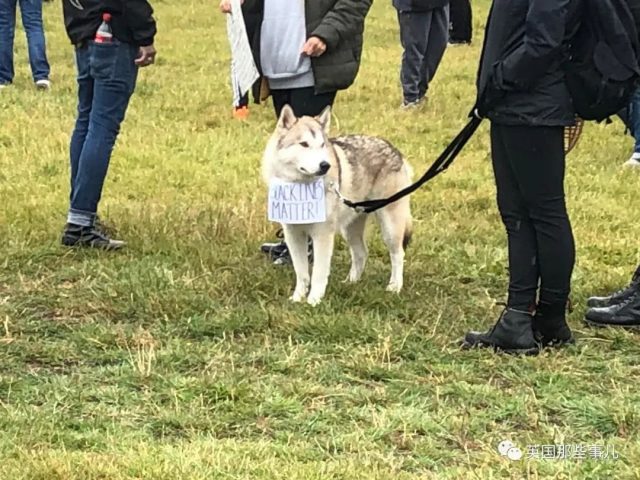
pixel 419 5
pixel 132 20
pixel 521 79
pixel 340 24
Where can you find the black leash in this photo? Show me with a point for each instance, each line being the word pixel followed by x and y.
pixel 443 162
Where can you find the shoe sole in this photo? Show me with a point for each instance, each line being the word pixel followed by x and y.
pixel 111 248
pixel 602 325
pixel 496 349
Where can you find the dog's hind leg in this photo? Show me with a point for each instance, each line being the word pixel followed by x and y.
pixel 354 235
pixel 296 239
pixel 322 253
pixel 393 223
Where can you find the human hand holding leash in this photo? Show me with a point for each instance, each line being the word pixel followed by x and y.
pixel 147 56
pixel 314 47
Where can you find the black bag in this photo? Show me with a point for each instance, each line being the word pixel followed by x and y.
pixel 603 68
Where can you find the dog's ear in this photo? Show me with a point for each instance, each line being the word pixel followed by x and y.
pixel 287 118
pixel 324 118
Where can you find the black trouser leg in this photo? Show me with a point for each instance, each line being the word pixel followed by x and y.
pixel 461 21
pixel 529 168
pixel 303 101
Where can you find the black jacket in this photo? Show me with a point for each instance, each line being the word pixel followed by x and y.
pixel 521 79
pixel 132 20
pixel 419 5
pixel 340 24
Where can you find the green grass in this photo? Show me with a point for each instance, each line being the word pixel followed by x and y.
pixel 181 358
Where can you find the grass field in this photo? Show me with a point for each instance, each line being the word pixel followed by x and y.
pixel 181 357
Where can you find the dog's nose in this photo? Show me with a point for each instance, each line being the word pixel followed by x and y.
pixel 324 167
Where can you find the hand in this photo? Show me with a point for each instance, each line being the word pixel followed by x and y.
pixel 147 56
pixel 314 47
pixel 225 5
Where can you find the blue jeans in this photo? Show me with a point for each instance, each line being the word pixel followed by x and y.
pixel 107 78
pixel 31 11
pixel 424 37
pixel 631 118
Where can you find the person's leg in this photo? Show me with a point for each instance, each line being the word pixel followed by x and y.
pixel 7 33
pixel 114 72
pixel 280 98
pixel 461 18
pixel 85 100
pixel 304 101
pixel 31 11
pixel 539 165
pixel 413 37
pixel 633 123
pixel 522 243
pixel 514 330
pixel 438 37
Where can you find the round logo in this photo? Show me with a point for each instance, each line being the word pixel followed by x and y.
pixel 514 453
pixel 504 447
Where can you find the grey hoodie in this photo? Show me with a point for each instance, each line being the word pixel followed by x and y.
pixel 283 35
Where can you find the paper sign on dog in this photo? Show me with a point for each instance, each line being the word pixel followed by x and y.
pixel 297 203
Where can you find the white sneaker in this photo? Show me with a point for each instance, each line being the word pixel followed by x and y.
pixel 43 84
pixel 4 85
pixel 634 161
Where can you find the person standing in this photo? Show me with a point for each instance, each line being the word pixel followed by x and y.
pixel 424 34
pixel 31 12
pixel 523 92
pixel 461 30
pixel 106 76
pixel 306 52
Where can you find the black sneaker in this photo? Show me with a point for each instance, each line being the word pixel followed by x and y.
pixel 279 252
pixel 513 333
pixel 91 237
pixel 625 314
pixel 618 297
pixel 550 326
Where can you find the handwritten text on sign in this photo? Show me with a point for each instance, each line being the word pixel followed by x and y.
pixel 297 203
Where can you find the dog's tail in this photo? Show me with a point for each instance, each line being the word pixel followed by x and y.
pixel 408 233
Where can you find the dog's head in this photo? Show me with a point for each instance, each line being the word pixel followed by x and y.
pixel 300 146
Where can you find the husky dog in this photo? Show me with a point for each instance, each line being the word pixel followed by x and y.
pixel 360 168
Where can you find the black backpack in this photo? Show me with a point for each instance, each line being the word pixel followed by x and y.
pixel 603 69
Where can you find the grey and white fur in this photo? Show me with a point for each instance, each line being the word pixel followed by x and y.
pixel 358 166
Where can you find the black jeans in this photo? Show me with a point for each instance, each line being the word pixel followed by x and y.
pixel 461 17
pixel 303 101
pixel 529 168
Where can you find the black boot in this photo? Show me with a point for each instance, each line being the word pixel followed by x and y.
pixel 512 334
pixel 618 297
pixel 550 327
pixel 626 314
pixel 91 237
pixel 279 252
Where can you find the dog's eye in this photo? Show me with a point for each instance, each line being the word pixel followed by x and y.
pixel 304 144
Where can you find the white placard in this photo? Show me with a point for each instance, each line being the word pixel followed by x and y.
pixel 297 203
pixel 243 69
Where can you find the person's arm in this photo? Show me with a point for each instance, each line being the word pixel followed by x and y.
pixel 544 36
pixel 345 20
pixel 139 18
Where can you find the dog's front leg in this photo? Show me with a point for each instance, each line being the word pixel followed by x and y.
pixel 296 240
pixel 322 253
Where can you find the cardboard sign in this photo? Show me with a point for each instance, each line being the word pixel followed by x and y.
pixel 297 203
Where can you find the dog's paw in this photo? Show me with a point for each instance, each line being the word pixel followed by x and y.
pixel 353 277
pixel 297 297
pixel 394 287
pixel 314 300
